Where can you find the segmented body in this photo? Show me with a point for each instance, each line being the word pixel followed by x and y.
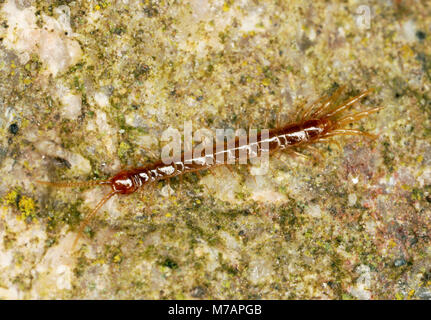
pixel 292 135
pixel 319 122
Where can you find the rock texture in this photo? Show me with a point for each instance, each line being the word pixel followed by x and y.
pixel 88 87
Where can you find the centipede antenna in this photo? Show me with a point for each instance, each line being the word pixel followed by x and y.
pixel 73 184
pixel 90 215
pixel 348 103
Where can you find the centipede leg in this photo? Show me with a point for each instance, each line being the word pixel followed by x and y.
pixel 144 197
pixel 151 188
pixel 266 120
pixel 277 116
pixel 349 132
pixel 178 188
pixel 252 175
pixel 299 154
pixel 200 177
pixel 315 152
pixel 327 103
pixel 212 172
pixel 357 116
pixel 300 111
pixel 348 104
pixel 150 152
pixel 304 113
pixel 230 168
pixel 330 140
pixel 278 156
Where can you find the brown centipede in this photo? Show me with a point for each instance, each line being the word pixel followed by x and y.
pixel 318 122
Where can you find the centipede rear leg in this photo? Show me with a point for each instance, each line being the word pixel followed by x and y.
pixel 327 104
pixel 334 112
pixel 356 117
pixel 320 105
pixel 351 132
pixel 302 113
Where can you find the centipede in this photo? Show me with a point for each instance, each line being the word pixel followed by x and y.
pixel 319 122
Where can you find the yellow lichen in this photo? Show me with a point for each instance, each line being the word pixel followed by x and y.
pixel 99 261
pixel 266 82
pixel 419 159
pixel 123 149
pixel 411 294
pixel 27 207
pixel 392 244
pixel 10 198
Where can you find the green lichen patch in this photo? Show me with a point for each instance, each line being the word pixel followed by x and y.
pixel 25 205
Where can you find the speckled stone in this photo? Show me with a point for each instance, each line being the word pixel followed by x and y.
pixel 92 86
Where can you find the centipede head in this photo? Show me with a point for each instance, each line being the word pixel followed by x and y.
pixel 124 182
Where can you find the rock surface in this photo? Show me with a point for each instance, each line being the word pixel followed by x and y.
pixel 88 87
